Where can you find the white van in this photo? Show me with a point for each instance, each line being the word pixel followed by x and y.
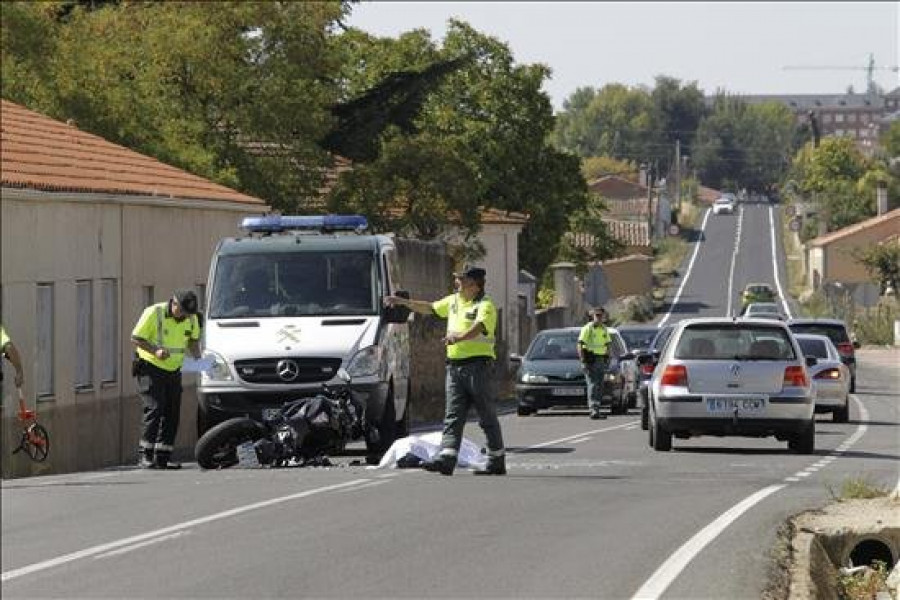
pixel 293 301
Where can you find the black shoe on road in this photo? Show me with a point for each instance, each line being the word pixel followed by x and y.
pixel 442 464
pixel 146 463
pixel 494 467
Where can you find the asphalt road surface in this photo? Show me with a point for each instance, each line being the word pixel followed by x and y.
pixel 587 510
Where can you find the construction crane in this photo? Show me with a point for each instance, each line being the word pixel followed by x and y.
pixel 870 69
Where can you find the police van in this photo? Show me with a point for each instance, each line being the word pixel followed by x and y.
pixel 290 303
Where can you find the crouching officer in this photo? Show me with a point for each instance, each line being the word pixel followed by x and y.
pixel 161 336
pixel 593 344
pixel 471 323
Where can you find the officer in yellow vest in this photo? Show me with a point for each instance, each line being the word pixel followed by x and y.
pixel 471 325
pixel 161 336
pixel 593 352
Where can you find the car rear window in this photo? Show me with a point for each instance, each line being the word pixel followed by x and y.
pixel 554 347
pixel 815 348
pixel 836 333
pixel 638 338
pixel 734 342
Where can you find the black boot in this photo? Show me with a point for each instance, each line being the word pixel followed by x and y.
pixel 443 464
pixel 163 462
pixel 145 459
pixel 495 466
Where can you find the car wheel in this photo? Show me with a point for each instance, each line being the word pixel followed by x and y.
pixel 645 419
pixel 805 441
pixel 661 440
pixel 841 415
pixel 524 411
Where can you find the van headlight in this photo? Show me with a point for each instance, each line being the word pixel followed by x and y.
pixel 365 363
pixel 219 370
pixel 532 378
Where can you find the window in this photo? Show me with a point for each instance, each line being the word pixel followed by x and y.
pixel 84 334
pixel 851 118
pixel 838 118
pixel 148 293
pixel 826 118
pixel 864 118
pixel 109 331
pixel 44 343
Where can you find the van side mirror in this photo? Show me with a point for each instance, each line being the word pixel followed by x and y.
pixel 397 314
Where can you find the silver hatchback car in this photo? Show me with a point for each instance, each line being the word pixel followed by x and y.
pixel 740 377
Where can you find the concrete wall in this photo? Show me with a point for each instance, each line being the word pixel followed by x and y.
pixel 629 276
pixel 62 238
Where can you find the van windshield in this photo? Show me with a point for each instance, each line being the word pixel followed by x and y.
pixel 294 284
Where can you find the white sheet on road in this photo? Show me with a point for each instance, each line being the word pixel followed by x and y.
pixel 427 446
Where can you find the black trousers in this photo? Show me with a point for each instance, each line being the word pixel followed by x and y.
pixel 160 392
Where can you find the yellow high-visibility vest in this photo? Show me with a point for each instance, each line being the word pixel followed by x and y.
pixel 461 315
pixel 162 329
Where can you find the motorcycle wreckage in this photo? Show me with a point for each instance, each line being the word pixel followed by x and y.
pixel 302 433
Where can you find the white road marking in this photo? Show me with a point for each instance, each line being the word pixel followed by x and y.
pixel 140 545
pixel 787 309
pixel 363 486
pixel 663 577
pixel 688 272
pixel 579 440
pixel 675 564
pixel 579 435
pixel 100 549
pixel 734 253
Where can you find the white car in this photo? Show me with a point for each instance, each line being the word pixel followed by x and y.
pixel 830 377
pixel 724 205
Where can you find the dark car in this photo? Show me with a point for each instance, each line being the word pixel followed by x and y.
pixel 835 330
pixel 645 369
pixel 550 374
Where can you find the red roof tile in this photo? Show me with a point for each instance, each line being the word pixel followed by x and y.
pixel 37 152
pixel 629 233
pixel 617 188
pixel 892 216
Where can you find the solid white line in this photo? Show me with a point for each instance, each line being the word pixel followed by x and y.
pixel 140 545
pixel 675 564
pixel 787 309
pixel 688 273
pixel 93 551
pixel 363 486
pixel 579 440
pixel 737 245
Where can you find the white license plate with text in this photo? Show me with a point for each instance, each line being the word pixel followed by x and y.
pixel 572 391
pixel 728 404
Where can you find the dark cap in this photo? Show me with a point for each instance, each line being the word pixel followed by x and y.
pixel 471 272
pixel 187 300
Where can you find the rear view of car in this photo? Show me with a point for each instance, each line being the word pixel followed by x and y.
pixel 728 377
pixel 830 377
pixel 723 206
pixel 836 331
pixel 757 292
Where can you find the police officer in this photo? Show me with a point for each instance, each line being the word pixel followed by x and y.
pixel 12 355
pixel 161 336
pixel 471 323
pixel 593 344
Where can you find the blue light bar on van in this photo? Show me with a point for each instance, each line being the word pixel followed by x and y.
pixel 277 223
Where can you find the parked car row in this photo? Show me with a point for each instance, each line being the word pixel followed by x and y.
pixel 752 376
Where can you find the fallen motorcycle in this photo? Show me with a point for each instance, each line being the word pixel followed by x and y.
pixel 305 431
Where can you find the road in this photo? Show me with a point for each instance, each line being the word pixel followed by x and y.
pixel 587 510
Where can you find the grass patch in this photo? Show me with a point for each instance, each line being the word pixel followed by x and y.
pixel 856 488
pixel 873 325
pixel 793 250
pixel 865 584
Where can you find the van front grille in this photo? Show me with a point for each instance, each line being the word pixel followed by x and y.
pixel 287 370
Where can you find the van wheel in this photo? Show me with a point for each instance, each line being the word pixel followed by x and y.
pixel 402 428
pixel 387 431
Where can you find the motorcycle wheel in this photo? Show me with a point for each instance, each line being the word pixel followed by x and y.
pixel 217 448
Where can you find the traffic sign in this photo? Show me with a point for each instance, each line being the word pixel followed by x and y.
pixel 790 210
pixel 674 229
pixel 794 224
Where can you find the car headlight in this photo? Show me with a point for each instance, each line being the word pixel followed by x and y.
pixel 610 376
pixel 366 362
pixel 532 378
pixel 219 370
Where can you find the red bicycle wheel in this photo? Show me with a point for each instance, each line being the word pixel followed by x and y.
pixel 37 443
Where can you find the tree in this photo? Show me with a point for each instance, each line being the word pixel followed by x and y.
pixel 883 264
pixel 588 239
pixel 676 111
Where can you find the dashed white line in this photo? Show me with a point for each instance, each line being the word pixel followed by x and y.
pixel 140 545
pixel 734 253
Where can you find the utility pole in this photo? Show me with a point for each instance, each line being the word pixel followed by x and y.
pixel 678 175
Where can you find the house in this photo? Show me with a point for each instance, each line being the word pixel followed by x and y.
pixel 831 258
pixel 93 232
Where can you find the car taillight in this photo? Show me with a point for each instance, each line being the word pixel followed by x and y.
pixel 675 375
pixel 845 348
pixel 647 369
pixel 796 377
pixel 829 374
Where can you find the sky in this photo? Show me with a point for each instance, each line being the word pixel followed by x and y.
pixel 738 47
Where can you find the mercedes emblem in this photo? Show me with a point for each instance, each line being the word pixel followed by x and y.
pixel 287 370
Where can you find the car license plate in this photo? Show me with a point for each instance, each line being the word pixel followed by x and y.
pixel 728 404
pixel 568 391
pixel 269 414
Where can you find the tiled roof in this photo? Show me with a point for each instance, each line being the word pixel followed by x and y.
pixel 40 153
pixel 815 101
pixel 495 216
pixel 623 209
pixel 617 188
pixel 629 233
pixel 891 216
